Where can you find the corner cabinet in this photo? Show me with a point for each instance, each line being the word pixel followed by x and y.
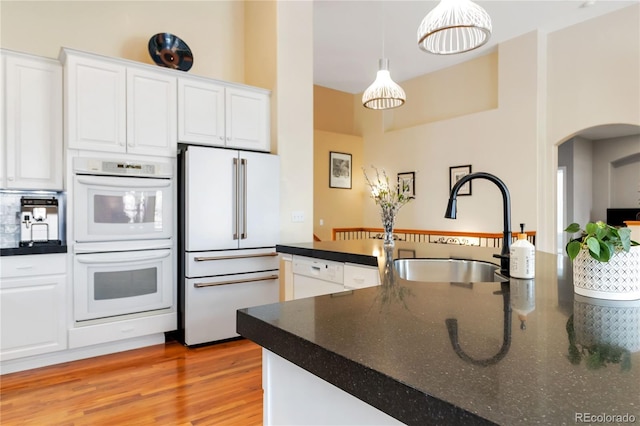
pixel 33 301
pixel 218 114
pixel 31 154
pixel 114 105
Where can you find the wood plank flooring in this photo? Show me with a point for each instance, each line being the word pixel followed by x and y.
pixel 158 385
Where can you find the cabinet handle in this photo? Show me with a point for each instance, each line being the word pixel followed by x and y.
pixel 25 267
pixel 10 178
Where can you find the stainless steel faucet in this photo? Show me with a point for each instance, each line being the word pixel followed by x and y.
pixel 506 213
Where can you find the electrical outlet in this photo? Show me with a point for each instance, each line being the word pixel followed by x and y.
pixel 297 216
pixel 321 222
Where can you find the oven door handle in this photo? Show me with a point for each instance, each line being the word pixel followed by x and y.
pixel 140 183
pixel 243 281
pixel 126 258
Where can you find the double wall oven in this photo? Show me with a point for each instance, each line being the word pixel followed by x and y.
pixel 123 257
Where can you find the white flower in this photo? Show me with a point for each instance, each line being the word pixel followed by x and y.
pixel 389 198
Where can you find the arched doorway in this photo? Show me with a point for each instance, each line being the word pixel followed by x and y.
pixel 598 170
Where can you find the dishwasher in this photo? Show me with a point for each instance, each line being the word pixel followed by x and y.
pixel 314 277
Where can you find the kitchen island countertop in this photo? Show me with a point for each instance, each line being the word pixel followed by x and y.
pixel 445 353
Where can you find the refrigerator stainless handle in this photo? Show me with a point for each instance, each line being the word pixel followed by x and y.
pixel 235 198
pixel 244 163
pixel 246 280
pixel 240 256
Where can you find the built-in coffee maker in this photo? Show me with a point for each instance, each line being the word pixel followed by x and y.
pixel 39 221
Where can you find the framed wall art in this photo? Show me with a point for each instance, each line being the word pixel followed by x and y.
pixel 455 174
pixel 339 170
pixel 407 184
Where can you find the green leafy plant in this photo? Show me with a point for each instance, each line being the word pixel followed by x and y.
pixel 600 239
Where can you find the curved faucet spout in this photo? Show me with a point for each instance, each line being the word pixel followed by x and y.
pixel 506 212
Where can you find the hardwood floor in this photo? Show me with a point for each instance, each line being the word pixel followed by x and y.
pixel 158 385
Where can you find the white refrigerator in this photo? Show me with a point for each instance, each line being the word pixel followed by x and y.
pixel 229 226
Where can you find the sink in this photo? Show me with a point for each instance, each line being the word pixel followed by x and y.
pixel 448 270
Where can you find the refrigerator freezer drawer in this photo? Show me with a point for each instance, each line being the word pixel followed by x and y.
pixel 210 263
pixel 213 302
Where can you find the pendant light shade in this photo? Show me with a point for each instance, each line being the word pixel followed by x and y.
pixel 454 26
pixel 383 93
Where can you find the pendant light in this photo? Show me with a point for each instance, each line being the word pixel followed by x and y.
pixel 384 93
pixel 454 26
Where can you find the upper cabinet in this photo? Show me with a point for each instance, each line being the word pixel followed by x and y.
pixel 116 106
pixel 31 110
pixel 210 113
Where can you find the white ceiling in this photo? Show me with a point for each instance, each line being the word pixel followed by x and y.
pixel 349 35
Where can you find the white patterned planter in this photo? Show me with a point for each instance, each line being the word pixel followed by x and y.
pixel 617 279
pixel 612 322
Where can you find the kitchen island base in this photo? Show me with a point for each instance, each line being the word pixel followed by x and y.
pixel 292 395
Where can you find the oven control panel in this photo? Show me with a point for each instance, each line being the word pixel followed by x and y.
pixel 96 166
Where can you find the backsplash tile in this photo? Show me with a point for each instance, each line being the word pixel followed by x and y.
pixel 10 219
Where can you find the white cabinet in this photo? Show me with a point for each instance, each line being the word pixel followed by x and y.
pixel 200 112
pixel 210 113
pixel 360 276
pixel 115 106
pixel 151 113
pixel 32 121
pixel 247 119
pixel 32 305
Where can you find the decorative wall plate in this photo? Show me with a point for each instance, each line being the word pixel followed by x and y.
pixel 167 50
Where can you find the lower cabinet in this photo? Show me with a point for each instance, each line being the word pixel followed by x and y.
pixel 360 276
pixel 302 277
pixel 32 305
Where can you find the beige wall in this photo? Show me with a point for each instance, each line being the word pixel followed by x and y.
pixel 295 117
pixel 334 126
pixel 452 92
pixel 336 207
pixel 332 110
pixel 214 30
pixel 593 79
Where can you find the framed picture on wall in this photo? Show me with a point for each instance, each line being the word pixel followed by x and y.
pixel 339 170
pixel 455 174
pixel 407 184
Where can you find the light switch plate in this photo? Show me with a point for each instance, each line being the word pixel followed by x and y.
pixel 297 216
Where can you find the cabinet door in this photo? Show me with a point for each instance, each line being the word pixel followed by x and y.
pixel 95 104
pixel 247 120
pixel 151 113
pixel 33 123
pixel 200 112
pixel 260 221
pixel 361 276
pixel 32 316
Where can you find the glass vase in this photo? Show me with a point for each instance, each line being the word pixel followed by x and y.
pixel 388 221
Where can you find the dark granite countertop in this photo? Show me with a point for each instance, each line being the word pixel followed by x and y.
pixel 36 249
pixel 447 353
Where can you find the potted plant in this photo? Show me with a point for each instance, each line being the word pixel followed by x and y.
pixel 606 262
